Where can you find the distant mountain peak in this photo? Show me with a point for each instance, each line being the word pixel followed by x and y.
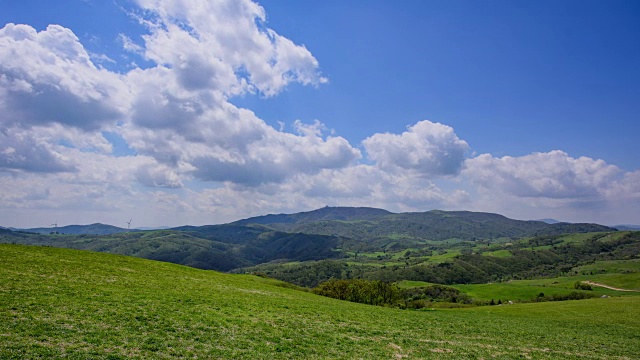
pixel 91 229
pixel 325 213
pixel 626 227
pixel 549 221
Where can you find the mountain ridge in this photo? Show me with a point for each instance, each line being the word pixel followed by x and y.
pixel 322 234
pixel 90 229
pixel 325 213
pixel 371 224
pixel 328 213
pixel 627 227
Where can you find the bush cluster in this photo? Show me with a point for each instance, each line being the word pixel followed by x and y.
pixel 574 295
pixel 375 292
pixel 361 291
pixel 582 286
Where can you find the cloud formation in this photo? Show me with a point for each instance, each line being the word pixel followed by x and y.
pixel 176 111
pixel 20 151
pixel 192 156
pixel 554 175
pixel 225 44
pixel 58 84
pixel 427 148
pixel 205 53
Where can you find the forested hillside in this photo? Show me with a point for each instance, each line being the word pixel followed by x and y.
pixel 380 226
pixel 335 242
pixel 229 249
pixel 546 256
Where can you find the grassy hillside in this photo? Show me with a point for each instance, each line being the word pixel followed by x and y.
pixel 217 247
pixel 171 246
pixel 376 242
pixel 528 290
pixel 66 303
pixel 309 259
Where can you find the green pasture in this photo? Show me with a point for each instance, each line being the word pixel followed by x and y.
pixel 401 254
pixel 498 253
pixel 60 303
pixel 624 274
pixel 405 284
pixel 612 266
pixel 525 290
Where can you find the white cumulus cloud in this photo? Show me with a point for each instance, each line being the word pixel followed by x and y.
pixel 225 40
pixel 206 53
pixel 23 151
pixel 554 174
pixel 176 110
pixel 57 84
pixel 427 148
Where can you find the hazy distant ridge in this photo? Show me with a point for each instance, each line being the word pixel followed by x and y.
pixel 370 223
pixel 92 229
pixel 323 214
pixel 627 227
pixel 326 233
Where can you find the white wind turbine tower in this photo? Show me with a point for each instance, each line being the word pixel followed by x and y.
pixel 129 224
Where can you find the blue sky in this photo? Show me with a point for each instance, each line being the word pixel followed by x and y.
pixel 181 112
pixel 510 77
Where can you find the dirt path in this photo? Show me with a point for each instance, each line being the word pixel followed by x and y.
pixel 607 286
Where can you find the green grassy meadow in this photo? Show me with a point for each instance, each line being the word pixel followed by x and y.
pixel 405 284
pixel 57 303
pixel 498 253
pixel 526 290
pixel 623 274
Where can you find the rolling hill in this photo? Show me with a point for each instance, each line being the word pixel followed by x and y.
pixel 627 227
pixel 61 303
pixel 220 247
pixel 92 229
pixel 368 224
pixel 338 233
pixel 323 214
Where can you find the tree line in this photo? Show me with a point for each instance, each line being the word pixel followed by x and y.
pixel 557 260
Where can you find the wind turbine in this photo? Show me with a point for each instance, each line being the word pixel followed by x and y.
pixel 55 225
pixel 129 224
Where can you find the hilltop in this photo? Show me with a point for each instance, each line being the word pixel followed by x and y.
pixel 91 229
pixel 57 303
pixel 370 224
pixel 323 214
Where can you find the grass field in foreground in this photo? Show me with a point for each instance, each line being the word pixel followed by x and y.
pixel 64 303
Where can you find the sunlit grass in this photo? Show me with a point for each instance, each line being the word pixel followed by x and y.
pixel 405 284
pixel 498 253
pixel 57 303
